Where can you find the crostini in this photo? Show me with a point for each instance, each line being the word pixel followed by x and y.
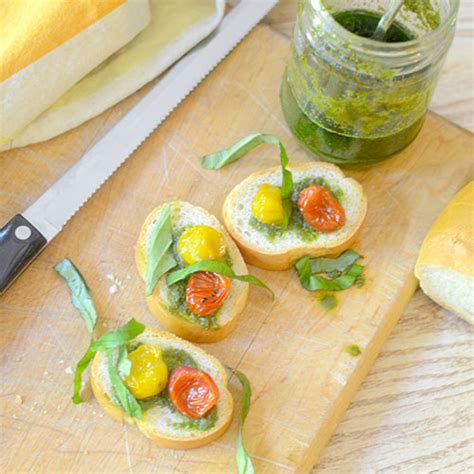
pixel 203 307
pixel 181 390
pixel 279 215
pixel 327 212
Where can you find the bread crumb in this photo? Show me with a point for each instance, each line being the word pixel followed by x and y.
pixel 44 412
pixel 113 289
pixel 68 370
pixel 18 399
pixel 46 372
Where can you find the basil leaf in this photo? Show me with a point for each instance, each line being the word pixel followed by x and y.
pixel 119 337
pixel 126 399
pixel 123 364
pixel 160 257
pixel 314 283
pixel 80 368
pixel 339 264
pixel 222 158
pixel 216 267
pixel 80 293
pixel 286 188
pixel 244 461
pixel 219 159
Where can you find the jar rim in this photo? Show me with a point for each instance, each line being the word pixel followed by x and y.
pixel 429 38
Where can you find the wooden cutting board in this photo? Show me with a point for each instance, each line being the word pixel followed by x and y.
pixel 292 351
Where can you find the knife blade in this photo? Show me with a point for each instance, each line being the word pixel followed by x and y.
pixel 24 236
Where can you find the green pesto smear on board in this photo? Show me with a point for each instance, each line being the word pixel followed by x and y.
pixel 297 223
pixel 175 358
pixel 358 115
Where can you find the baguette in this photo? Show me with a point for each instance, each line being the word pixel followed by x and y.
pixel 159 422
pixel 185 214
pixel 286 248
pixel 445 265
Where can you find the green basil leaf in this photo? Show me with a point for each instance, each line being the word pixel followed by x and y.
pixel 160 257
pixel 244 461
pixel 80 368
pixel 215 266
pixel 119 337
pixel 339 264
pixel 315 283
pixel 286 188
pixel 80 293
pixel 222 158
pixel 123 364
pixel 126 399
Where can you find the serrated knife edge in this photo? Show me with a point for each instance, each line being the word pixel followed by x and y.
pixel 28 233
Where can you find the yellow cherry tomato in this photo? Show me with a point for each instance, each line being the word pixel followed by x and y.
pixel 148 374
pixel 267 206
pixel 201 242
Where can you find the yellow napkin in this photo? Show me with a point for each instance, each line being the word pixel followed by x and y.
pixel 175 27
pixel 48 45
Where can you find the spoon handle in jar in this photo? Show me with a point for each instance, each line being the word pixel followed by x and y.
pixel 387 19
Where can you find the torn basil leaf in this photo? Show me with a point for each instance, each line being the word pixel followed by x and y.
pixel 244 461
pixel 111 339
pixel 126 399
pixel 222 158
pixel 215 266
pixel 123 364
pixel 80 368
pixel 160 257
pixel 120 336
pixel 329 274
pixel 80 293
pixel 339 264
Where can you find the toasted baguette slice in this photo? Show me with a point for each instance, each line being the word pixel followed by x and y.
pixel 445 265
pixel 157 422
pixel 184 214
pixel 284 250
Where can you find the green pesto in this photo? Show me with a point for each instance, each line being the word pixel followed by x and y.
pixel 353 350
pixel 297 224
pixel 428 16
pixel 328 301
pixel 175 358
pixel 352 120
pixel 179 307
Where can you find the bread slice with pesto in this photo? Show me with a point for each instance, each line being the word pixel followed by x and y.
pixel 268 246
pixel 161 421
pixel 168 303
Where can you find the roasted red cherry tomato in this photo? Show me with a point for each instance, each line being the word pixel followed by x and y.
pixel 192 391
pixel 320 209
pixel 206 291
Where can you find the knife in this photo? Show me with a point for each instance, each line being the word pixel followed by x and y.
pixel 28 233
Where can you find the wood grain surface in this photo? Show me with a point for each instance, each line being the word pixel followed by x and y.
pixel 413 413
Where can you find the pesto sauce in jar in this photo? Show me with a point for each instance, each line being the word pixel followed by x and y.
pixel 340 147
pixel 356 101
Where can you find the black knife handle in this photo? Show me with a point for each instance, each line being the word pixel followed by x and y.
pixel 20 243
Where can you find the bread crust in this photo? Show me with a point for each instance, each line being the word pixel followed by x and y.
pixel 449 246
pixel 147 428
pixel 286 259
pixel 187 330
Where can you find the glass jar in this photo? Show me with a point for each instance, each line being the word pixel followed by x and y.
pixel 356 101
